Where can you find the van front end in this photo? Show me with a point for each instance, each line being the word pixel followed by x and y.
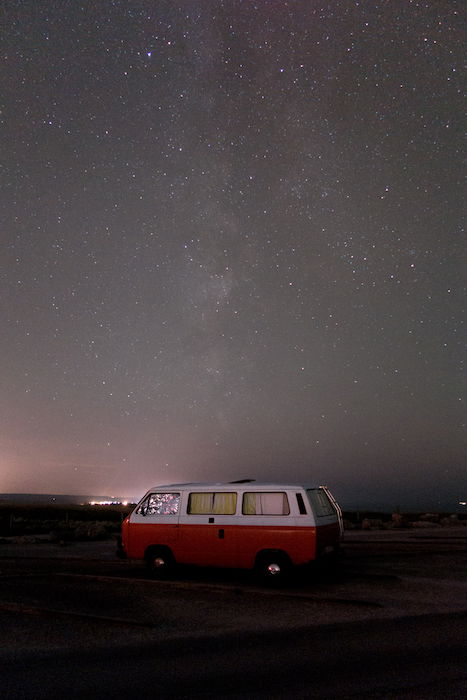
pixel 122 540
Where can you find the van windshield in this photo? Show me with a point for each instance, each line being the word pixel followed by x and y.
pixel 159 504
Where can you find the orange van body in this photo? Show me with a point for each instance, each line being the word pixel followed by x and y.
pixel 233 525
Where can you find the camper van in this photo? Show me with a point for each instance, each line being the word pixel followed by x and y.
pixel 243 524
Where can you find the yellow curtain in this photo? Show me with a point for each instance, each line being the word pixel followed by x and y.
pixel 215 503
pixel 249 503
pixel 200 503
pixel 224 503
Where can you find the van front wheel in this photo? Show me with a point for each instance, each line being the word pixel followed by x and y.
pixel 159 561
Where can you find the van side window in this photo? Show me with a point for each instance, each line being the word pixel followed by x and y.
pixel 202 503
pixel 321 504
pixel 265 503
pixel 160 504
pixel 301 504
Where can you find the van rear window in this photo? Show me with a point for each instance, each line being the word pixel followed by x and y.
pixel 320 502
pixel 265 503
pixel 160 504
pixel 203 503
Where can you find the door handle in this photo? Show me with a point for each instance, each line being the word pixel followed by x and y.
pixel 220 534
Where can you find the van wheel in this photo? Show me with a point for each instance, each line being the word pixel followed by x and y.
pixel 273 567
pixel 159 561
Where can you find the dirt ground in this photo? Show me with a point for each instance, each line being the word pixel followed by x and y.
pixel 383 573
pixel 394 588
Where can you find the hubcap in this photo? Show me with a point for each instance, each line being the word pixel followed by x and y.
pixel 158 562
pixel 273 569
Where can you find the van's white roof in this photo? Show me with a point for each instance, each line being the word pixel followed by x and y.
pixel 250 485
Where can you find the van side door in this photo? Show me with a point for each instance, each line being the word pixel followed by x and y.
pixel 207 531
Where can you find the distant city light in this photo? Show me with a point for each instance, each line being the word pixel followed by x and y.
pixel 108 503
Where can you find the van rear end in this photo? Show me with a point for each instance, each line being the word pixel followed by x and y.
pixel 329 522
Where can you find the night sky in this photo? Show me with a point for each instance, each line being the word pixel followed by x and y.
pixel 232 246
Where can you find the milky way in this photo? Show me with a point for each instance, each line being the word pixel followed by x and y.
pixel 232 246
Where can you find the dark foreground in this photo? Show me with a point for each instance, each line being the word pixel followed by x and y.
pixel 389 623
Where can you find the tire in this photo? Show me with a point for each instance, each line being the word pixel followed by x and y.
pixel 159 561
pixel 273 567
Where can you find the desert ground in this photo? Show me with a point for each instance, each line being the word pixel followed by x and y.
pixel 388 622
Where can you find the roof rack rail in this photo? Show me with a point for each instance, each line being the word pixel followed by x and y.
pixel 242 481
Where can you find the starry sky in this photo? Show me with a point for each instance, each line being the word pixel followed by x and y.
pixel 232 246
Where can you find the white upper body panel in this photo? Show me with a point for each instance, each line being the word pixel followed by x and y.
pixel 243 502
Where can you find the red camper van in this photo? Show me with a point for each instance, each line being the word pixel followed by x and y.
pixel 245 524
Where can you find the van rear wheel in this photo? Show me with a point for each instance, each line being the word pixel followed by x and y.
pixel 273 567
pixel 159 561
